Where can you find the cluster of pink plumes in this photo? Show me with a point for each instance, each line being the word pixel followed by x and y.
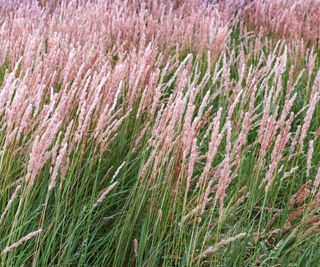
pixel 77 70
pixel 71 63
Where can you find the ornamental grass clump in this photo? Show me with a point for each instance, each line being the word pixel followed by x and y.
pixel 159 133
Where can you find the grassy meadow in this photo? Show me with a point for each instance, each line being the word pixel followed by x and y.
pixel 159 133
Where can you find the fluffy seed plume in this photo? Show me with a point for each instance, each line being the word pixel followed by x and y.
pixel 21 241
pixel 213 249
